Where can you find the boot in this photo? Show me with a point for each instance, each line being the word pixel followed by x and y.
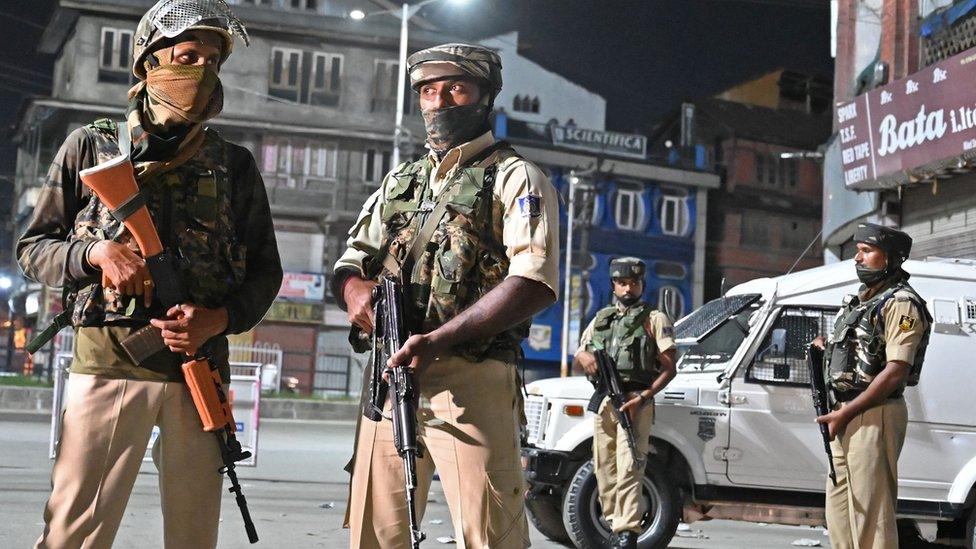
pixel 626 540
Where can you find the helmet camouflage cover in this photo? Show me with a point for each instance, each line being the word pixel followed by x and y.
pixel 170 18
pixel 627 267
pixel 449 60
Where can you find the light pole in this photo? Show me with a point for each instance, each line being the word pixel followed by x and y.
pixel 405 12
pixel 567 272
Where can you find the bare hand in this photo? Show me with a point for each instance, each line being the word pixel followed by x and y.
pixel 190 326
pixel 358 294
pixel 417 352
pixel 836 422
pixel 587 361
pixel 122 269
pixel 819 343
pixel 632 406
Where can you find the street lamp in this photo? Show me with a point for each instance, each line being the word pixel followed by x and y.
pixel 405 12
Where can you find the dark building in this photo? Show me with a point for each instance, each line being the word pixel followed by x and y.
pixel 762 138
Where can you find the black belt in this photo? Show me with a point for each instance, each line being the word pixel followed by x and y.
pixel 847 396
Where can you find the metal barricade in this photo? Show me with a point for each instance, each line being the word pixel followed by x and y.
pixel 244 392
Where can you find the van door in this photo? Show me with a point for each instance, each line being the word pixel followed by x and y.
pixel 774 441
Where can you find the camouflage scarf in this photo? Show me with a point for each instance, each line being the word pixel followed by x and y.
pixel 172 102
pixel 451 126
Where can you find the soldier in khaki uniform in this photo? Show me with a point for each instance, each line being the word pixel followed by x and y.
pixel 875 351
pixel 640 341
pixel 489 264
pixel 210 209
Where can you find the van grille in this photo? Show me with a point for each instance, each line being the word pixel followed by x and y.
pixel 535 417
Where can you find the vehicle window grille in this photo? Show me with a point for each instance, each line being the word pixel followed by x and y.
pixel 788 366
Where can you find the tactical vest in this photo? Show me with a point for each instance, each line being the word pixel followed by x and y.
pixel 191 208
pixel 623 336
pixel 856 347
pixel 465 257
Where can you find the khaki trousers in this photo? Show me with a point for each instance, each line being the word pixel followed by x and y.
pixel 468 427
pixel 619 482
pixel 106 428
pixel 861 508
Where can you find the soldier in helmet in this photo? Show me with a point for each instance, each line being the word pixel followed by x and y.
pixel 640 342
pixel 488 260
pixel 210 208
pixel 875 350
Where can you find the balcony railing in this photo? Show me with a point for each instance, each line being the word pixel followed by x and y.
pixel 947 32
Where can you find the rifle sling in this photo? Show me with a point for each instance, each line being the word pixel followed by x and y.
pixel 129 207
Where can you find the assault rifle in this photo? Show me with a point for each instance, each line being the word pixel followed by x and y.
pixel 114 184
pixel 389 334
pixel 821 400
pixel 607 382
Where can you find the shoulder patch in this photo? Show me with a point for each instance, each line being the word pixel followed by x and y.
pixel 906 323
pixel 530 205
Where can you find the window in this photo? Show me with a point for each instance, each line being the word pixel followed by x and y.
pixel 670 269
pixel 755 229
pixel 671 301
pixel 310 5
pixel 115 60
pixel 629 209
pixel 326 79
pixel 797 235
pixel 525 104
pixel 286 73
pixel 674 214
pixel 782 357
pixel 296 163
pixel 312 78
pixel 376 164
pixel 792 172
pixel 760 167
pixel 385 75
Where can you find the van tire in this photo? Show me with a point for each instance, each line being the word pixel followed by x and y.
pixel 545 515
pixel 581 509
pixel 970 541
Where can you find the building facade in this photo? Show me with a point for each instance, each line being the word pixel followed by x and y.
pixel 904 129
pixel 762 137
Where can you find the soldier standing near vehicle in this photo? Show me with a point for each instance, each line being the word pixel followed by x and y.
pixel 209 205
pixel 486 260
pixel 875 351
pixel 640 341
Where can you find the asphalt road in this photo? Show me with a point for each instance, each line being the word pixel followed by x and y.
pixel 296 494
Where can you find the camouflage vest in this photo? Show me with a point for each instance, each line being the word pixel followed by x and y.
pixel 191 208
pixel 623 336
pixel 464 259
pixel 856 347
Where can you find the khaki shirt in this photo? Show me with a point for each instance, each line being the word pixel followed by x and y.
pixel 657 325
pixel 531 242
pixel 904 327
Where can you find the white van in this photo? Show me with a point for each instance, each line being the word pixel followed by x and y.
pixel 734 435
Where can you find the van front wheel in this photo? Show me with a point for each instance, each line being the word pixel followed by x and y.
pixel 583 515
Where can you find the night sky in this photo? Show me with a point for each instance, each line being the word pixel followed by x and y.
pixel 644 56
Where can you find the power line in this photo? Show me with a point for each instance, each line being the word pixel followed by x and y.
pixel 21 20
pixel 803 4
pixel 30 72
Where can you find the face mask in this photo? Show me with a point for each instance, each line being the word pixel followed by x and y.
pixel 182 95
pixel 451 126
pixel 627 300
pixel 870 276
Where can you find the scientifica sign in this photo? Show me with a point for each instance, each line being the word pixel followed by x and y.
pixel 911 128
pixel 623 144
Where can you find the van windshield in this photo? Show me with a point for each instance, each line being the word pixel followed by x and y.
pixel 709 337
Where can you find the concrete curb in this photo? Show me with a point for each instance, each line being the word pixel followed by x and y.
pixel 27 402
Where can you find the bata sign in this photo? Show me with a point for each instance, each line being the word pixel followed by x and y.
pixel 911 126
pixel 623 144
